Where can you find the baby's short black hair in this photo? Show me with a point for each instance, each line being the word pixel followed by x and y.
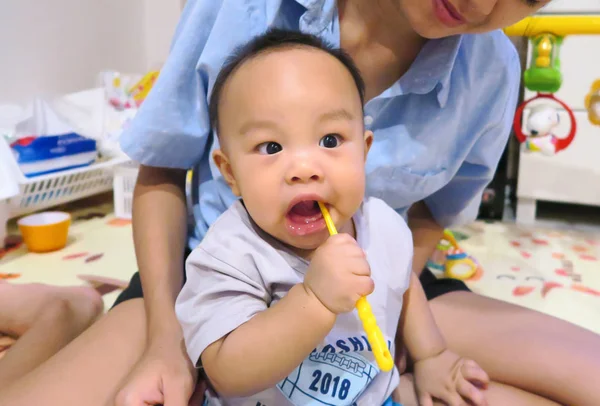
pixel 272 40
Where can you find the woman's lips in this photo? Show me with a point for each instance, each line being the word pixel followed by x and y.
pixel 447 14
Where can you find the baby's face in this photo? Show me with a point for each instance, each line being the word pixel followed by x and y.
pixel 291 131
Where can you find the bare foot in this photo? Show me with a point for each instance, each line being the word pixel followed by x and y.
pixel 22 304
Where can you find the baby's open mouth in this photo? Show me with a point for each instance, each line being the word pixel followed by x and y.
pixel 305 217
pixel 307 209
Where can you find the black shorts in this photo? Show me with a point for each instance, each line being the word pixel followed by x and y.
pixel 134 289
pixel 432 286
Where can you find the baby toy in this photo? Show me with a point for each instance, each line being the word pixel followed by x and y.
pixel 560 26
pixel 452 259
pixel 543 119
pixel 543 76
pixel 365 313
pixel 546 33
pixel 459 265
pixel 592 103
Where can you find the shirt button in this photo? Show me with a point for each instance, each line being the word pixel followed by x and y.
pixel 368 120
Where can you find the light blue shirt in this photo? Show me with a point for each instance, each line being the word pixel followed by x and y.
pixel 439 131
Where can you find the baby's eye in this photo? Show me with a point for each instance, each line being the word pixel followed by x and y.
pixel 269 148
pixel 330 141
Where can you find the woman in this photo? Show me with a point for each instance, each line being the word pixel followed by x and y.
pixel 440 105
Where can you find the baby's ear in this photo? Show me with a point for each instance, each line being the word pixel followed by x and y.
pixel 368 137
pixel 224 166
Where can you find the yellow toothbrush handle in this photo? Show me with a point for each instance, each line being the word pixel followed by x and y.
pixel 328 220
pixel 378 345
pixel 365 313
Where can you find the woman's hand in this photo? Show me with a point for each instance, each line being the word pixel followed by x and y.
pixel 163 376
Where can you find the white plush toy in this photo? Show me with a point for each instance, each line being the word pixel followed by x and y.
pixel 540 124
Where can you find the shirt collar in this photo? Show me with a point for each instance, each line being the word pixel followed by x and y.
pixel 318 16
pixel 431 70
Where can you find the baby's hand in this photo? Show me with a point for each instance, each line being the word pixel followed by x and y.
pixel 339 274
pixel 451 379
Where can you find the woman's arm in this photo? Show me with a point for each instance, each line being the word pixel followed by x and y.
pixel 159 233
pixel 264 350
pixel 426 234
pixel 439 373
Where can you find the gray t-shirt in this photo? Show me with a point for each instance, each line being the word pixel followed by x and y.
pixel 238 271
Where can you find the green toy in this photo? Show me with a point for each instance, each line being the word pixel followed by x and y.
pixel 543 74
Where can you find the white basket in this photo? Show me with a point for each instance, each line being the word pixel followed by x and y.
pixel 123 185
pixel 20 195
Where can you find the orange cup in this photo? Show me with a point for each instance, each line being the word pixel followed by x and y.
pixel 45 232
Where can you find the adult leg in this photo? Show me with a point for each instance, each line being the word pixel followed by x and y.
pixel 496 394
pixel 43 319
pixel 522 348
pixel 89 370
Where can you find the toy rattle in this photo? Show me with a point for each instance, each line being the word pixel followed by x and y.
pixel 546 33
pixel 452 259
pixel 365 313
pixel 592 103
pixel 543 76
pixel 542 120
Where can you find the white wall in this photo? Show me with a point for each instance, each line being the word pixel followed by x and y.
pixel 59 46
pixel 571 6
pixel 161 18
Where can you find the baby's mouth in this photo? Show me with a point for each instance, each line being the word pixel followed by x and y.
pixel 305 218
pixel 305 212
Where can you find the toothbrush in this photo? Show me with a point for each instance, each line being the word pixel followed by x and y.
pixel 365 313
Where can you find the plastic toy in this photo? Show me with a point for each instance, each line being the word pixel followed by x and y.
pixel 543 74
pixel 560 26
pixel 592 103
pixel 546 34
pixel 365 313
pixel 541 121
pixel 459 265
pixel 450 258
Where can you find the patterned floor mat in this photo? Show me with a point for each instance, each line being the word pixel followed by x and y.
pixel 549 270
pixel 99 253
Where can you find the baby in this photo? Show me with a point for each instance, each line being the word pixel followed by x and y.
pixel 268 308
